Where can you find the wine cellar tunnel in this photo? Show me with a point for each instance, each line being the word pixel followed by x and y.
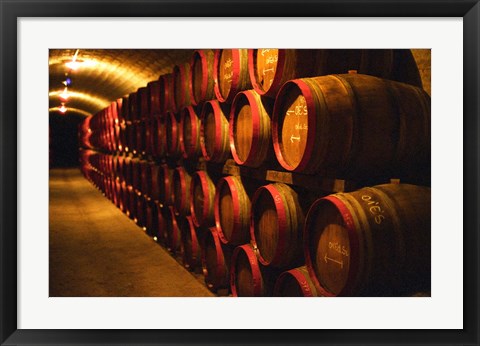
pixel 239 172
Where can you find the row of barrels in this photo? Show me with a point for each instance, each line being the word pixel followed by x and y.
pixel 259 239
pixel 349 126
pixel 221 74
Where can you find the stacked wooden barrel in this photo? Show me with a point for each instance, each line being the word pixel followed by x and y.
pixel 284 172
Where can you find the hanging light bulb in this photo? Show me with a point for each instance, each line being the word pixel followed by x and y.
pixel 63 109
pixel 74 64
pixel 64 95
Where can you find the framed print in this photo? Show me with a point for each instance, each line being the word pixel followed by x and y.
pixel 34 33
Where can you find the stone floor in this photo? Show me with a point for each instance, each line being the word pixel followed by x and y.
pixel 97 251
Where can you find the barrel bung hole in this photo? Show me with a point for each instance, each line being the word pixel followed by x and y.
pixel 243 129
pixel 266 226
pixel 293 127
pixel 330 248
pixel 266 65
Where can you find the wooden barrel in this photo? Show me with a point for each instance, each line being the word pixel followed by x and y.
pixel 394 64
pixel 132 107
pixel 190 133
pixel 116 136
pixel 140 130
pixel 122 141
pixel 124 197
pixel 127 172
pixel 154 98
pixel 385 127
pixel 145 177
pixel 153 185
pixel 172 135
pixel 136 174
pixel 192 253
pixel 181 191
pixel 124 114
pixel 248 278
pixel 131 138
pixel 249 128
pixel 214 138
pixel 230 73
pixel 215 261
pixel 277 226
pixel 165 185
pixel 148 132
pixel 270 68
pixel 370 242
pixel 159 140
pixel 202 197
pixel 181 86
pixel 232 211
pixel 140 210
pixel 108 187
pixel 132 203
pixel 117 185
pixel 150 217
pixel 143 104
pixel 166 93
pixel 202 85
pixel 172 232
pixel 160 233
pixel 295 283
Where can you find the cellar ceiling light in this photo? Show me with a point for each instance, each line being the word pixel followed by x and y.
pixel 71 110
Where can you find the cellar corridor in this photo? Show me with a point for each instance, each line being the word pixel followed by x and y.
pixel 97 251
pixel 240 172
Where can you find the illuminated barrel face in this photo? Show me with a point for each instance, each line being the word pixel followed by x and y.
pixel 294 128
pixel 266 66
pixel 225 71
pixel 266 226
pixel 243 132
pixel 331 248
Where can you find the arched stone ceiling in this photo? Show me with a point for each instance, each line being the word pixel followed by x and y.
pixel 106 74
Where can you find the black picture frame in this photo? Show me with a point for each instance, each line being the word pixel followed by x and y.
pixel 11 10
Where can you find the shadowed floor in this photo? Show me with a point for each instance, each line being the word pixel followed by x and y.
pixel 97 251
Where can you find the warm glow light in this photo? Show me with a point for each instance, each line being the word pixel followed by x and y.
pixel 62 109
pixel 73 65
pixel 89 63
pixel 130 75
pixel 71 110
pixel 98 102
pixel 65 95
pixel 155 238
